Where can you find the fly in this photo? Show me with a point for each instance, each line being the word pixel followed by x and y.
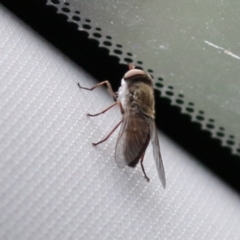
pixel 135 98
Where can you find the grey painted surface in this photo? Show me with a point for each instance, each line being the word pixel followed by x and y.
pixel 193 45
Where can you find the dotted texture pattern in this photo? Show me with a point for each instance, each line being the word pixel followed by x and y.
pixel 170 42
pixel 55 185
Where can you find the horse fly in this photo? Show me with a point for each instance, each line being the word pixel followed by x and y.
pixel 135 98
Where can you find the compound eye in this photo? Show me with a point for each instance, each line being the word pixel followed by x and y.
pixel 133 73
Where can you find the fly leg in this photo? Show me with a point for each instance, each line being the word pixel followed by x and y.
pixel 105 110
pixel 109 87
pixel 106 138
pixel 145 175
pixel 111 92
pixel 114 95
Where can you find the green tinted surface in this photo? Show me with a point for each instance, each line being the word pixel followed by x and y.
pixel 193 45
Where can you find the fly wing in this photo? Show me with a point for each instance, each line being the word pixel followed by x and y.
pixel 133 139
pixel 157 154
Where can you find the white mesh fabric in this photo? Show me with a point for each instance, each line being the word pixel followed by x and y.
pixel 55 185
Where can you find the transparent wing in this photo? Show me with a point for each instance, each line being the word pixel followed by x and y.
pixel 133 139
pixel 121 145
pixel 157 154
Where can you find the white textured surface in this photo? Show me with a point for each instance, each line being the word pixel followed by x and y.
pixel 55 185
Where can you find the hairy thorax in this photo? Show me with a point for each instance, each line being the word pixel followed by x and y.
pixel 141 98
pixel 137 96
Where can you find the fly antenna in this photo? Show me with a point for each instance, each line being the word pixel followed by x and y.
pixel 130 66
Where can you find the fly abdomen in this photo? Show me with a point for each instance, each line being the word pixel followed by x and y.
pixel 137 137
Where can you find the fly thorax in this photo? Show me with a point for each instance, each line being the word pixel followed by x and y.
pixel 142 99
